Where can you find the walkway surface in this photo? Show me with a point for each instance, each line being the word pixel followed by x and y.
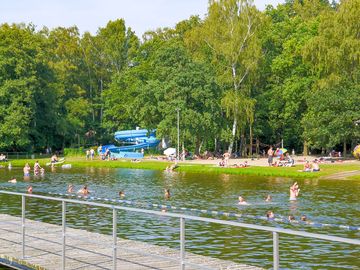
pixel 341 175
pixel 88 250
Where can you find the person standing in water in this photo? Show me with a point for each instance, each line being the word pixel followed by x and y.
pixel 167 193
pixel 294 191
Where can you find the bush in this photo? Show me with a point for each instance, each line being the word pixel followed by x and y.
pixel 74 151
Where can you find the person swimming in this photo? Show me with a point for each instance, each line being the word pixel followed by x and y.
pixel 30 189
pixel 291 218
pixel 268 198
pixel 84 190
pixel 242 201
pixel 70 188
pixel 270 214
pixel 42 171
pixel 12 181
pixel 294 191
pixel 167 193
pixel 121 194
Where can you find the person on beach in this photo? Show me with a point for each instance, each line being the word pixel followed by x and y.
pixel 92 153
pixel 315 166
pixel 294 191
pixel 226 156
pixel 307 167
pixel 27 169
pixel 270 153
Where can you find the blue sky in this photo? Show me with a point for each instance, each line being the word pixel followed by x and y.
pixel 89 15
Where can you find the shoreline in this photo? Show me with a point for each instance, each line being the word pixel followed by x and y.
pixel 257 167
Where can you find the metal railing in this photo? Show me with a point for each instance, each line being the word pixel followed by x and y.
pixel 182 218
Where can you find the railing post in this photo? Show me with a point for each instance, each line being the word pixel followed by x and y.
pixel 114 238
pixel 63 234
pixel 23 226
pixel 182 243
pixel 276 250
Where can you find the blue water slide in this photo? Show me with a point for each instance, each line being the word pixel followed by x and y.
pixel 137 139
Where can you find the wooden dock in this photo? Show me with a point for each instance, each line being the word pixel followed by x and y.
pixel 88 250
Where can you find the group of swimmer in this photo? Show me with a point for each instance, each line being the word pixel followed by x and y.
pixel 294 193
pixel 38 170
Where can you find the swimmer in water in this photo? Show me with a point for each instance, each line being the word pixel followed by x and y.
pixel 291 218
pixel 294 191
pixel 270 215
pixel 167 193
pixel 12 181
pixel 268 198
pixel 27 169
pixel 242 201
pixel 84 190
pixel 70 188
pixel 42 171
pixel 30 189
pixel 303 218
pixel 122 194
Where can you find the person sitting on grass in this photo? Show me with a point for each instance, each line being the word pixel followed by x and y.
pixel 307 167
pixel 315 166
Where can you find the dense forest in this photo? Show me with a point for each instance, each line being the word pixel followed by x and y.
pixel 239 76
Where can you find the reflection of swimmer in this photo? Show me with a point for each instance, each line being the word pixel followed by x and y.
pixel 30 189
pixel 242 201
pixel 268 198
pixel 84 190
pixel 122 194
pixel 70 188
pixel 294 191
pixel 9 166
pixel 167 193
pixel 12 181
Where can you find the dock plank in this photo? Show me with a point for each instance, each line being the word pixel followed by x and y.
pixel 44 248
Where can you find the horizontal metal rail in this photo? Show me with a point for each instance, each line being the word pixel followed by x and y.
pixel 182 218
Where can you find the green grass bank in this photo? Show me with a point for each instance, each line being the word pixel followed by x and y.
pixel 293 172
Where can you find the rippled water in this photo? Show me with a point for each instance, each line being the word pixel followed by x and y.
pixel 323 201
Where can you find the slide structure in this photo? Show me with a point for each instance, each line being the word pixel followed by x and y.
pixel 135 139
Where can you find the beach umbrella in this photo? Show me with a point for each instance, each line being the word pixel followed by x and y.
pixel 280 151
pixel 357 151
pixel 170 152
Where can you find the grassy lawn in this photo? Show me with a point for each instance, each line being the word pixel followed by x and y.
pixel 326 169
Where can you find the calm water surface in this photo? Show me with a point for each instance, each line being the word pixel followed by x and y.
pixel 322 201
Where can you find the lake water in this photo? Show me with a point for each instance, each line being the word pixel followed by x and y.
pixel 322 201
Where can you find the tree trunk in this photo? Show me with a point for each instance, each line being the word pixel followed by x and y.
pixel 344 148
pixel 233 133
pixel 251 142
pixel 197 147
pixel 306 149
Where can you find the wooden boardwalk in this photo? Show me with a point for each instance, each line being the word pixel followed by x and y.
pixel 88 250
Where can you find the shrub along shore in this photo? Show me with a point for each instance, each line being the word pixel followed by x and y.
pixel 293 172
